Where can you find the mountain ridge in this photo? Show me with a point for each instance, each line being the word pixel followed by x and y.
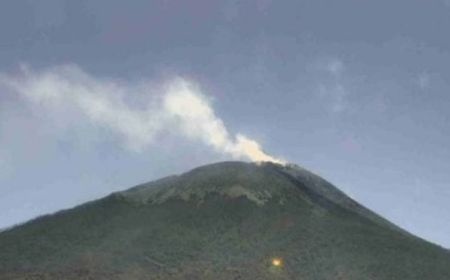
pixel 221 221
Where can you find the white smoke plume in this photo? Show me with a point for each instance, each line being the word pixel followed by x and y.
pixel 180 106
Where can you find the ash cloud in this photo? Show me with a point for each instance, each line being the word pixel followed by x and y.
pixel 177 105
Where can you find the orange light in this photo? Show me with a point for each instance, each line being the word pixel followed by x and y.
pixel 276 262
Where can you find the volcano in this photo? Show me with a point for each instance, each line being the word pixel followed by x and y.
pixel 229 220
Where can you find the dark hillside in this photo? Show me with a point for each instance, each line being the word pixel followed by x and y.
pixel 222 221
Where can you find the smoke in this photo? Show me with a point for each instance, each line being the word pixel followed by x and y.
pixel 177 106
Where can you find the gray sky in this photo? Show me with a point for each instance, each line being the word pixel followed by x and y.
pixel 356 91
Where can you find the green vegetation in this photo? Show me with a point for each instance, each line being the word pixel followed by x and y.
pixel 221 221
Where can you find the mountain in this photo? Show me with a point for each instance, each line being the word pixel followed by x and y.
pixel 230 220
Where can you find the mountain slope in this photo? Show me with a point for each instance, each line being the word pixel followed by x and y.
pixel 222 221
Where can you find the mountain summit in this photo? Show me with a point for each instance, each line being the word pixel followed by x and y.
pixel 230 220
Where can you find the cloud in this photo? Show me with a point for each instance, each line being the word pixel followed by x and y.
pixel 423 80
pixel 334 89
pixel 177 106
pixel 337 95
pixel 335 67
